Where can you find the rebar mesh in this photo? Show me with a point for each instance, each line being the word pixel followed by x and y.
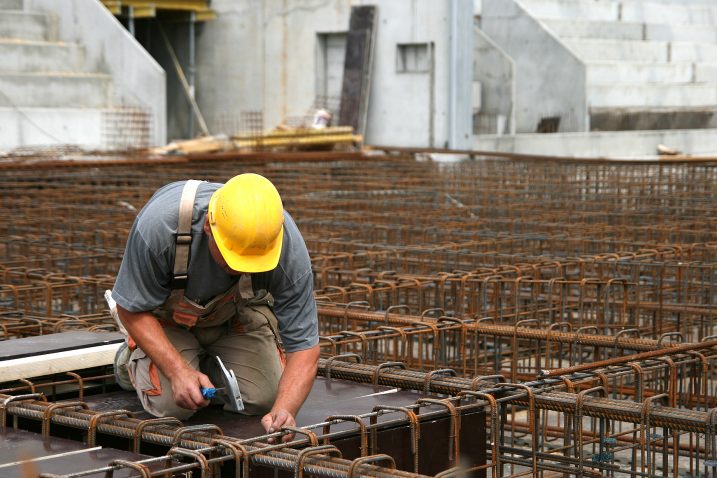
pixel 574 300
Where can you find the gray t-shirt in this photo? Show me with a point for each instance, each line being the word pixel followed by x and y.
pixel 143 280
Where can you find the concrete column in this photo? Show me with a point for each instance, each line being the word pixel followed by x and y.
pixel 460 74
pixel 130 21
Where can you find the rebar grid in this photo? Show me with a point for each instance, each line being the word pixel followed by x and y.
pixel 488 268
pixel 556 423
pixel 17 324
pixel 522 351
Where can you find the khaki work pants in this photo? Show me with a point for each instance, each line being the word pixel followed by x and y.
pixel 247 344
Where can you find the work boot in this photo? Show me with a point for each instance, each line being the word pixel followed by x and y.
pixel 120 366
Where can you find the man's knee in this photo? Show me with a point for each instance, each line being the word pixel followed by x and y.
pixel 154 389
pixel 259 400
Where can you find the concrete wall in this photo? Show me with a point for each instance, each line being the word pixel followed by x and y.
pixel 494 69
pixel 138 80
pixel 43 126
pixel 261 56
pixel 232 64
pixel 414 109
pixel 550 79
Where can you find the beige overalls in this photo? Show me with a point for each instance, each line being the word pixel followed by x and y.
pixel 239 326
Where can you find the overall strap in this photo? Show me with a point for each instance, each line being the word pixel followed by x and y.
pixel 246 291
pixel 183 238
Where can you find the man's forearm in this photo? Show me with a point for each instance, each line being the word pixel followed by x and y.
pixel 296 380
pixel 147 332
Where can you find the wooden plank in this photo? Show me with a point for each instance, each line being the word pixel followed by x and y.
pixel 358 68
pixel 70 360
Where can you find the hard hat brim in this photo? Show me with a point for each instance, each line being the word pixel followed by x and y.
pixel 251 263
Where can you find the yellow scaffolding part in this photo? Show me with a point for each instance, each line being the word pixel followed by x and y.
pixel 149 8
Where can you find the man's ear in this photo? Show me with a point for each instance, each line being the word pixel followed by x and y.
pixel 207 227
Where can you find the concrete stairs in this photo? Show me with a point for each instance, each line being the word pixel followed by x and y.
pixel 47 96
pixel 27 25
pixel 55 90
pixel 650 64
pixel 39 55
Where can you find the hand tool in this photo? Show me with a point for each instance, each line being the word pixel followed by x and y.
pixel 228 392
pixel 209 393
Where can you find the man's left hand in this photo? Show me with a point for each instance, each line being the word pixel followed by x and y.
pixel 275 420
pixel 294 386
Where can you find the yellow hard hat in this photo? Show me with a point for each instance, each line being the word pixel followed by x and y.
pixel 247 221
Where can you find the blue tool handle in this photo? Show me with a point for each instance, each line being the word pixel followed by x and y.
pixel 208 393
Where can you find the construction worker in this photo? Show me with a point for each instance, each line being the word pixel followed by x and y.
pixel 217 270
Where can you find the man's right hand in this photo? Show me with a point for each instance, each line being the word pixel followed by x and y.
pixel 186 388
